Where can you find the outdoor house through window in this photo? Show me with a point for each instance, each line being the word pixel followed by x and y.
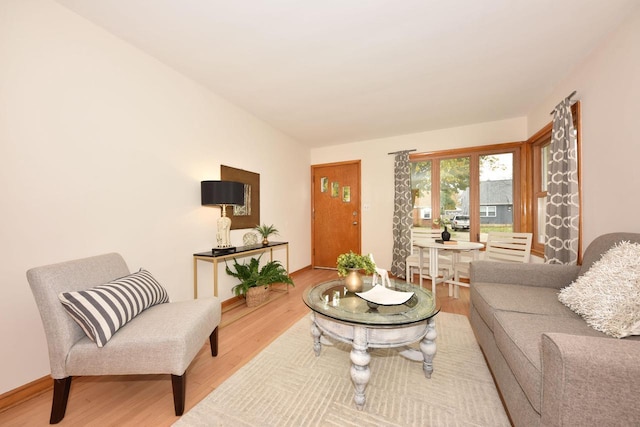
pixel 470 190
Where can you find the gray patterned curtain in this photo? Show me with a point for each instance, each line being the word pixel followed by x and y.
pixel 401 214
pixel 562 217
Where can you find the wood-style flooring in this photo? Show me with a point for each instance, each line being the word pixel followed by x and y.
pixel 148 400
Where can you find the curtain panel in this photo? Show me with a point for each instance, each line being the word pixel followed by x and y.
pixel 562 210
pixel 402 219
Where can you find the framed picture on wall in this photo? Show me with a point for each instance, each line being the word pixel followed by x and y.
pixel 247 215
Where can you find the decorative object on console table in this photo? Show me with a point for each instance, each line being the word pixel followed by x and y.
pixel 222 193
pixel 265 231
pixel 250 239
pixel 252 276
pixel 349 265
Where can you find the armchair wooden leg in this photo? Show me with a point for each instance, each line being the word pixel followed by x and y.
pixel 213 340
pixel 61 389
pixel 179 385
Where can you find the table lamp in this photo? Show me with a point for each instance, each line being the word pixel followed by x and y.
pixel 222 193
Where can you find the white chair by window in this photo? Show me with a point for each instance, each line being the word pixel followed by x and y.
pixel 382 273
pixel 411 262
pixel 501 247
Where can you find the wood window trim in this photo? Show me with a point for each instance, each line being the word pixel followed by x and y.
pixel 474 153
pixel 532 182
pixel 526 174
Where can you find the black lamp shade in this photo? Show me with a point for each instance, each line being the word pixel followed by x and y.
pixel 222 193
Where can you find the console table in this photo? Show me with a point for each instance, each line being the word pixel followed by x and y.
pixel 240 251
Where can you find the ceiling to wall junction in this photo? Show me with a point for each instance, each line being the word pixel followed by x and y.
pixel 335 71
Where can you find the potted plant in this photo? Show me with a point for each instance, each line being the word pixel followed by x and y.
pixel 265 231
pixel 255 281
pixel 349 265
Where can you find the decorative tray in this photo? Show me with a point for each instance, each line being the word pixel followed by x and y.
pixel 384 296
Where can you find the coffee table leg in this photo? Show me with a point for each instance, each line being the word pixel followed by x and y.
pixel 315 331
pixel 428 347
pixel 360 372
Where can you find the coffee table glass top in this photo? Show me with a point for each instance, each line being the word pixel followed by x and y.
pixel 349 307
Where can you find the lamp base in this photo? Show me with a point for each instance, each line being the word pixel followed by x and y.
pixel 223 251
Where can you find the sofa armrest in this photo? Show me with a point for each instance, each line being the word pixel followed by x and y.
pixel 545 275
pixel 589 380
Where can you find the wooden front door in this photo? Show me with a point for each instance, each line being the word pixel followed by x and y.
pixel 335 211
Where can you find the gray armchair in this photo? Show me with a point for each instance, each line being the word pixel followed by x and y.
pixel 162 339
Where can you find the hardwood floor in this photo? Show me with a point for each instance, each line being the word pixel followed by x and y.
pixel 148 400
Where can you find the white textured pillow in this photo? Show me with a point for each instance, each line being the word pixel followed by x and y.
pixel 607 296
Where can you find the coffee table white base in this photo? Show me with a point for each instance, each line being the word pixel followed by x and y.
pixel 362 337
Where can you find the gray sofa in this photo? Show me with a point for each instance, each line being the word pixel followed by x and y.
pixel 552 368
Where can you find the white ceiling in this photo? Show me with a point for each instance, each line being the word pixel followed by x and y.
pixel 334 71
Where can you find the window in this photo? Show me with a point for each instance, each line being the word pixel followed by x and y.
pixel 501 187
pixel 477 182
pixel 487 211
pixel 538 148
pixel 421 194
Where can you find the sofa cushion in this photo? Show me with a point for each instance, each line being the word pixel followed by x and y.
pixel 518 337
pixel 163 339
pixel 102 310
pixel 487 298
pixel 608 294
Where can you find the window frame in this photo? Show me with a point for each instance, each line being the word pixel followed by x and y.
pixel 487 211
pixel 533 151
pixel 474 154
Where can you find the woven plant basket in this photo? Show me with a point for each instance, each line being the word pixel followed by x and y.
pixel 256 296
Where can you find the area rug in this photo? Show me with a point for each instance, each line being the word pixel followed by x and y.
pixel 287 385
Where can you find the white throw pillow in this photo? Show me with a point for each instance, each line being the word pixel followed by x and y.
pixel 607 296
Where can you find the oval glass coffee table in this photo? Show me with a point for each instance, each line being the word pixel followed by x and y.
pixel 346 317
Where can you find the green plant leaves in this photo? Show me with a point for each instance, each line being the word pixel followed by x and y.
pixel 251 275
pixel 351 260
pixel 266 230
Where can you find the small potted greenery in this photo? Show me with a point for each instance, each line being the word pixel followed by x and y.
pixel 255 281
pixel 353 261
pixel 265 231
pixel 349 265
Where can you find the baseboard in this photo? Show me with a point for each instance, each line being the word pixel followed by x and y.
pixel 308 267
pixel 23 393
pixel 231 303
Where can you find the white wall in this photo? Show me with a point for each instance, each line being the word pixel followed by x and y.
pixel 102 148
pixel 377 170
pixel 608 86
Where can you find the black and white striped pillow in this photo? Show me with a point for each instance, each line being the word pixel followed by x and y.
pixel 102 310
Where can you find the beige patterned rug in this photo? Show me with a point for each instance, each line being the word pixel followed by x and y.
pixel 287 385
